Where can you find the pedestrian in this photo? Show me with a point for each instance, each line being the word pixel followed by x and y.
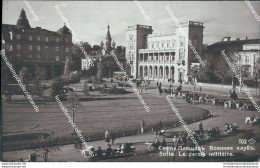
pixel 107 137
pixel 113 137
pixel 142 127
pixel 99 153
pixel 160 126
pixel 200 89
pixel 160 85
pixel 201 128
pixel 160 92
pixel 157 85
pixel 175 141
pixel 109 151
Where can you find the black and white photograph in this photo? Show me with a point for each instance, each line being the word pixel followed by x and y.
pixel 174 82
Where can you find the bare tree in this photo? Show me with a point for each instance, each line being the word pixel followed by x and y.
pixel 73 104
pixel 45 146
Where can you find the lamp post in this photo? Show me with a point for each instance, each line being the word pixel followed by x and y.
pixel 240 78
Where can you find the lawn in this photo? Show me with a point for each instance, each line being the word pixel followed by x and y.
pixel 122 114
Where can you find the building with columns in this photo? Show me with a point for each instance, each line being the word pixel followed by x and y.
pixel 163 56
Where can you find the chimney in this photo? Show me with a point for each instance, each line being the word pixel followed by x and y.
pixel 237 39
pixel 226 39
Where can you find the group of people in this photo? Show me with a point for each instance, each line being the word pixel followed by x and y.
pixel 99 152
pixel 108 136
pixel 230 128
pixel 158 129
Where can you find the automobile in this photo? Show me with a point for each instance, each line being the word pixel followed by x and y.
pixel 66 89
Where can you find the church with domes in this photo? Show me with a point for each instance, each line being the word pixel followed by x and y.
pixel 104 59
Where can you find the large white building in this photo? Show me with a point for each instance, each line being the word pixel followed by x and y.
pixel 249 59
pixel 163 56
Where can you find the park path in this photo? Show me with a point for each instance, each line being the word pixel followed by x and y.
pixel 221 116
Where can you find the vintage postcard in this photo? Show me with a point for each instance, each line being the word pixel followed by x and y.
pixel 130 81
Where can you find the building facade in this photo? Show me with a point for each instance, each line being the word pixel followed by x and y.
pixel 245 54
pixel 163 56
pixel 27 47
pixel 249 59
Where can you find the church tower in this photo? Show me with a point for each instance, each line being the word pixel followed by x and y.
pixel 108 40
pixel 22 22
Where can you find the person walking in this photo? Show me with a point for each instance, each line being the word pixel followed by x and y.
pixel 160 92
pixel 142 127
pixel 107 137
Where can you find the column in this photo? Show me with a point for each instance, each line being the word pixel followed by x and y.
pixel 163 72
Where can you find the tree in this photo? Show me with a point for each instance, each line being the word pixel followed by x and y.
pixel 96 48
pixel 205 73
pixel 94 80
pixel 121 79
pixel 99 70
pixel 57 86
pixel 45 146
pixel 24 76
pixel 73 104
pixel 67 67
pixel 245 70
pixel 223 72
pixel 40 74
pixel 77 54
pixel 85 88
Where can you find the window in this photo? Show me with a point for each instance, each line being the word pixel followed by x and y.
pixel 46 48
pixel 152 45
pixel 18 55
pixel 67 39
pixel 57 39
pixel 247 59
pixel 38 48
pixel 18 47
pixel 30 47
pixel 30 38
pixel 57 58
pixel 57 49
pixel 38 57
pixel 67 49
pixel 46 39
pixel 38 38
pixel 18 37
pixel 181 41
pixel 30 56
pixel 162 44
pixel 10 47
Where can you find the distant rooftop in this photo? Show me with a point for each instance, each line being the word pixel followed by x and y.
pixel 139 26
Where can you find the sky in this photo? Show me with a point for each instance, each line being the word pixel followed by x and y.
pixel 89 19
